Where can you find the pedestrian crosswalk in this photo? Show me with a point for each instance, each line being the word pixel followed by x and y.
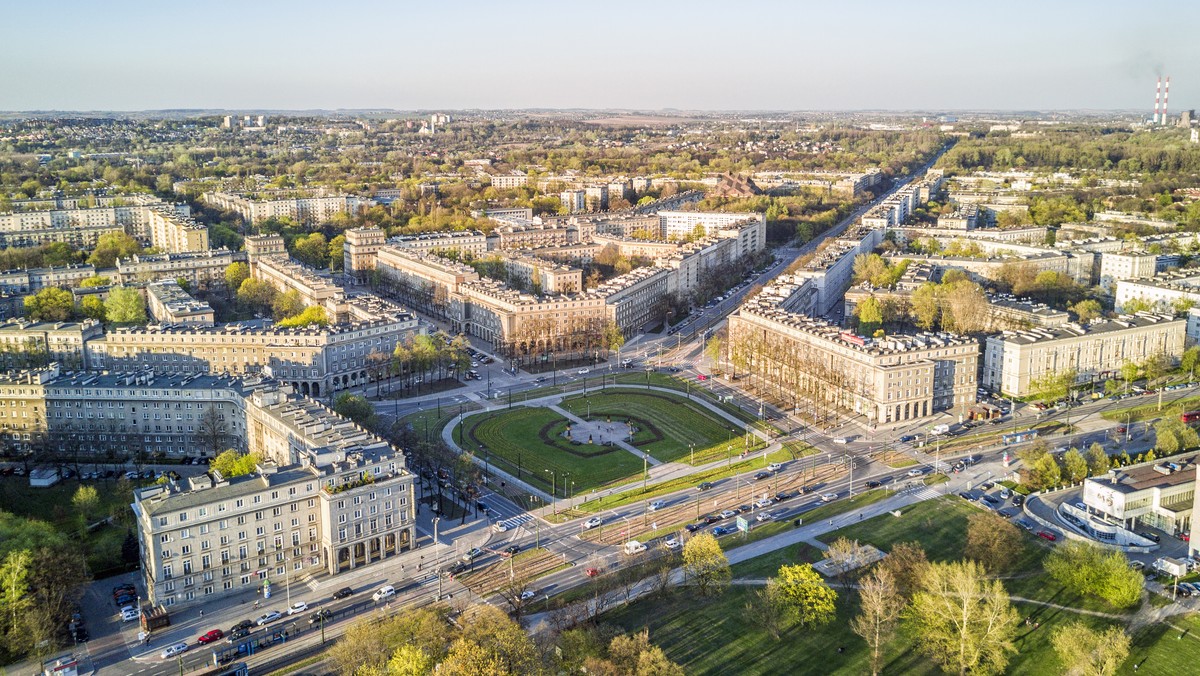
pixel 925 493
pixel 512 523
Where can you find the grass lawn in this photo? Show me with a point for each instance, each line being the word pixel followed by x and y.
pixel 523 441
pixel 667 426
pixel 1148 409
pixel 1158 649
pixel 766 530
pixel 431 422
pixel 768 564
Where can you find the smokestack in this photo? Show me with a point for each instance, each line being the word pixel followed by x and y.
pixel 1166 93
pixel 1157 98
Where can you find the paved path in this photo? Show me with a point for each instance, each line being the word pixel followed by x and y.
pixel 616 440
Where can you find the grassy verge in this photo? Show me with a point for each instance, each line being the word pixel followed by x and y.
pixel 771 528
pixel 431 421
pixel 1151 410
pixel 768 564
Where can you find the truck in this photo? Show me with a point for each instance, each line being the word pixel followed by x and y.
pixel 940 429
pixel 634 547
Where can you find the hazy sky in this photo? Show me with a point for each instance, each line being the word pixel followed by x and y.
pixel 649 54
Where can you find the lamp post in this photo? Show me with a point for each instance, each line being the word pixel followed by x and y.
pixel 553 488
pixel 436 519
pixel 692 450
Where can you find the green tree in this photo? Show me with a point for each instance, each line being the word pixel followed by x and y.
pixel 337 258
pixel 355 407
pixel 409 660
pixel 926 306
pixel 1097 460
pixel 14 591
pixel 235 274
pixel 1187 362
pixel 125 306
pixel 870 316
pixel 231 463
pixel 85 501
pixel 1087 310
pixel 50 305
pixel 613 339
pixel 962 620
pixel 113 245
pixel 312 250
pixel 313 315
pixel 804 597
pixel 256 295
pixel 1090 652
pixel 1054 385
pixel 93 282
pixel 1045 472
pixel 1075 466
pixel 92 308
pixel 1084 568
pixel 906 563
pixel 287 304
pixel 705 565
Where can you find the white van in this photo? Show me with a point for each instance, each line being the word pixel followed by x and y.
pixel 634 547
pixel 383 593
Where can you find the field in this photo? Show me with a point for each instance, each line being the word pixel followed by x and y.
pixel 526 443
pixel 713 636
pixel 667 426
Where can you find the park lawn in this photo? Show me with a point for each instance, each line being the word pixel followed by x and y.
pixel 691 389
pixel 430 421
pixel 768 564
pixel 523 442
pixel 667 426
pixel 1158 650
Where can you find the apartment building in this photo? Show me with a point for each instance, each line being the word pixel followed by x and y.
pixel 170 304
pixel 25 343
pixel 81 222
pixel 574 201
pixel 519 323
pixel 360 252
pixel 542 276
pixel 423 281
pixel 33 280
pixel 636 298
pixel 533 235
pixel 680 224
pixel 1014 360
pixel 285 274
pixel 831 268
pixel 1118 265
pixel 965 217
pixel 199 268
pixel 327 497
pixel 305 209
pixel 516 179
pixel 896 378
pixel 467 241
pixel 316 361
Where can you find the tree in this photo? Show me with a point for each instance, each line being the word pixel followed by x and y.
pixel 906 563
pixel 1097 460
pixel 212 430
pixel 845 555
pixel 93 308
pixel 1129 373
pixel 256 295
pixel 287 304
pixel 93 282
pixel 1189 359
pixel 1045 473
pixel 14 590
pixel 926 306
pixel 1054 385
pixel 125 306
pixel 85 501
pixel 231 463
pixel 355 407
pixel 705 565
pixel 1090 652
pixel 50 305
pixel 337 259
pixel 762 610
pixel 235 274
pixel 113 245
pixel 409 660
pixel 964 621
pixel 502 640
pixel 312 250
pixel 1087 569
pixel 1086 310
pixel 870 316
pixel 994 542
pixel 881 605
pixel 313 315
pixel 1075 466
pixel 803 596
pixel 369 646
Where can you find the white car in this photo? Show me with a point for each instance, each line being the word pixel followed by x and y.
pixel 593 522
pixel 528 594
pixel 764 516
pixel 671 543
pixel 828 497
pixel 383 593
pixel 129 614
pixel 841 440
pixel 297 607
pixel 657 505
pixel 763 504
pixel 173 650
pixel 916 472
pixel 774 467
pixel 584 372
pixel 500 527
pixel 728 514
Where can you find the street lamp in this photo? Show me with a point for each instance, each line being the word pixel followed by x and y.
pixel 553 488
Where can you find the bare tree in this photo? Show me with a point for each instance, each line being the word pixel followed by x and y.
pixel 213 431
pixel 881 605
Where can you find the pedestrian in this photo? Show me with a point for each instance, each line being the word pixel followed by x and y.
pixel 860 516
pixel 201 613
pixel 831 522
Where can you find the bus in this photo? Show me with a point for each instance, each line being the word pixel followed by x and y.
pixel 1190 416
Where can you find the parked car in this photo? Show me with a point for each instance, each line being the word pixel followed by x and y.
pixel 1047 535
pixel 763 475
pixel 729 514
pixel 129 614
pixel 344 592
pixel 297 607
pixel 267 618
pixel 723 530
pixel 1149 536
pixel 211 635
pixel 237 634
pixel 693 527
pixel 763 503
pixel 764 516
pixel 672 543
pixel 472 554
pixel 593 522
pixel 528 594
pixel 584 372
pixel 173 650
pixel 828 497
pixel 711 519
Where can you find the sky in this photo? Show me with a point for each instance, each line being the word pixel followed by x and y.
pixel 610 54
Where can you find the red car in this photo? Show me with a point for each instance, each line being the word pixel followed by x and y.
pixel 701 377
pixel 592 572
pixel 1047 535
pixel 212 635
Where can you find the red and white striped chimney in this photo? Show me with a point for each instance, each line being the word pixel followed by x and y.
pixel 1166 93
pixel 1157 98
